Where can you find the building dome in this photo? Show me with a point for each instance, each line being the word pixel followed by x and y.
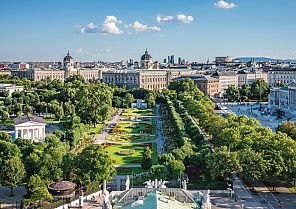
pixel 62 189
pixel 68 58
pixel 146 56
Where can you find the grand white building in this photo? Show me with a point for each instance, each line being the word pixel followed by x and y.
pixel 248 77
pixel 10 88
pixel 283 99
pixel 29 127
pixel 281 75
pixel 226 79
pixel 69 68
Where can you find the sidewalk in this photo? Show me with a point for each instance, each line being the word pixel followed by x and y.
pixel 244 195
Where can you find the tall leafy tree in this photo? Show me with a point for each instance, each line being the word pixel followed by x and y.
pixel 232 93
pixel 13 172
pixel 222 162
pixel 147 159
pixel 93 164
pixel 37 189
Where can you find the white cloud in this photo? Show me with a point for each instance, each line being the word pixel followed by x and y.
pixel 184 18
pixel 81 51
pixel 178 18
pixel 99 51
pixel 225 5
pixel 164 18
pixel 89 28
pixel 109 25
pixel 139 27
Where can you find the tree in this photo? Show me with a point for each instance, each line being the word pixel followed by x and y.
pixel 146 159
pixel 5 136
pixel 252 163
pixel 222 162
pixel 232 93
pixel 28 110
pixel 150 100
pixel 128 99
pixel 182 85
pixel 13 172
pixel 159 172
pixel 245 91
pixel 117 102
pixel 8 150
pixel 259 89
pixel 94 102
pixel 93 164
pixel 37 189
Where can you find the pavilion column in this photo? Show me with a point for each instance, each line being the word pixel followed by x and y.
pixel 16 133
pixel 22 133
pixel 31 131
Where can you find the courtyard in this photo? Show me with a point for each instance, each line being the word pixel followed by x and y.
pixel 261 114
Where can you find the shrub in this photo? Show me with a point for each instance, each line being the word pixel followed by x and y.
pixel 126 152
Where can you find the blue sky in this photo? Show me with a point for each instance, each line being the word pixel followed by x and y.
pixel 114 30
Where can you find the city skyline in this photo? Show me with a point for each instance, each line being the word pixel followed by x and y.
pixel 114 31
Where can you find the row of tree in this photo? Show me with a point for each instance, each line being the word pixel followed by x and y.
pixel 241 144
pixel 258 90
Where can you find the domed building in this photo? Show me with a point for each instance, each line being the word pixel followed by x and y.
pixel 69 68
pixel 68 62
pixel 146 61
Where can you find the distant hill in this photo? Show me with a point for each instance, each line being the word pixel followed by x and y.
pixel 262 59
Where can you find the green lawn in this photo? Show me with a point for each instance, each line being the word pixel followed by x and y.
pixel 134 158
pixel 129 138
pixel 94 131
pixel 134 128
pixel 137 112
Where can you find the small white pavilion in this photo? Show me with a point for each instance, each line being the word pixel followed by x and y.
pixel 29 127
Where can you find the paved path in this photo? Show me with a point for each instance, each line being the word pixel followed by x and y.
pixel 244 195
pixel 159 131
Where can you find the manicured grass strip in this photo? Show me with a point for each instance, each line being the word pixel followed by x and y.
pixel 134 158
pixel 137 112
pixel 134 128
pixel 129 138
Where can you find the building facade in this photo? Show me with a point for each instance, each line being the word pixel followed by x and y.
pixel 29 127
pixel 10 88
pixel 226 79
pixel 154 79
pixel 146 61
pixel 245 77
pixel 206 84
pixel 278 76
pixel 70 68
pixel 283 99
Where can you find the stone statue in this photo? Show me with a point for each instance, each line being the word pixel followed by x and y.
pixel 155 183
pixel 184 184
pixel 127 183
pixel 206 204
pixel 148 184
pixel 162 184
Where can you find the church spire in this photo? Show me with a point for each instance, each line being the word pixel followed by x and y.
pixel 68 54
